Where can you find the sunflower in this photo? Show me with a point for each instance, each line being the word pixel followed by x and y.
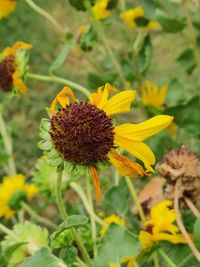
pixel 84 134
pixel 135 18
pixel 13 190
pixel 6 7
pixel 100 9
pixel 12 67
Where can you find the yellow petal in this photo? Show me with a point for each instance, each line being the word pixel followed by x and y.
pixel 19 83
pixel 137 149
pixel 96 182
pixel 7 6
pixel 143 130
pixel 145 239
pixel 18 45
pixel 125 166
pixel 62 98
pixel 175 239
pixel 119 103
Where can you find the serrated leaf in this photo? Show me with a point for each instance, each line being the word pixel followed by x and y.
pixel 116 244
pixel 71 221
pixel 41 258
pixel 187 60
pixel 61 58
pixel 68 254
pixel 169 24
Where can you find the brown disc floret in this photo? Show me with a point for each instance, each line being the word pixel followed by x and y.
pixel 7 69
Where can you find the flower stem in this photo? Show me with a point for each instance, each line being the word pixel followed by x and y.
pixel 8 146
pixel 38 218
pixel 92 221
pixel 192 35
pixel 64 215
pixel 166 258
pixel 192 207
pixel 180 223
pixel 45 14
pixel 7 231
pixel 84 199
pixel 47 78
pixel 135 198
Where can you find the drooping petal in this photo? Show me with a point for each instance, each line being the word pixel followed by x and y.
pixel 63 97
pixel 125 166
pixel 146 239
pixel 175 239
pixel 162 94
pixel 96 182
pixel 19 83
pixel 18 45
pixel 143 130
pixel 121 102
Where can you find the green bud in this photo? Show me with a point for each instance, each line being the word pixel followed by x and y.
pixel 16 199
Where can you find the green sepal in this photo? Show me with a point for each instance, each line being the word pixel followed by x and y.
pixel 45 145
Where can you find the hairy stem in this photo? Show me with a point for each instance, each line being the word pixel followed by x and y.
pixel 47 78
pixel 180 223
pixel 45 14
pixel 192 207
pixel 135 198
pixel 8 146
pixel 64 215
pixel 7 231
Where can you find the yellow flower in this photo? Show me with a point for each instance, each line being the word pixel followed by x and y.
pixel 135 18
pixel 10 68
pixel 6 7
pixel 84 133
pixel 100 9
pixel 161 225
pixel 111 219
pixel 151 96
pixel 129 260
pixel 12 191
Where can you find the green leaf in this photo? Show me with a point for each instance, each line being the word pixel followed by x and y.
pixel 187 60
pixel 68 254
pixel 87 39
pixel 187 115
pixel 71 221
pixel 145 54
pixel 80 4
pixel 60 59
pixel 42 258
pixel 176 93
pixel 45 145
pixel 116 244
pixel 169 24
pixel 196 233
pixel 116 199
pixel 96 80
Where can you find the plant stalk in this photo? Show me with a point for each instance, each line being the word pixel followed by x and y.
pixel 193 208
pixel 166 258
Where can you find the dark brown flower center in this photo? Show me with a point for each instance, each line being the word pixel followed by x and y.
pixel 7 68
pixel 82 133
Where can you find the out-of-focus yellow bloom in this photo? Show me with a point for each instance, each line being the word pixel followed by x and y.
pixel 152 96
pixel 135 18
pixel 129 260
pixel 100 9
pixel 10 68
pixel 6 7
pixel 161 225
pixel 111 219
pixel 172 129
pixel 12 191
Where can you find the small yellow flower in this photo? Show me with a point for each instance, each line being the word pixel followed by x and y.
pixel 6 7
pixel 152 96
pixel 135 18
pixel 129 260
pixel 100 9
pixel 10 68
pixel 12 191
pixel 111 219
pixel 161 225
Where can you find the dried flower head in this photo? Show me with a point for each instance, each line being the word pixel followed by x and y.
pixel 181 163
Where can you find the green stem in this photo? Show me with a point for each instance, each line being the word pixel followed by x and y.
pixel 135 198
pixel 192 35
pixel 166 258
pixel 45 14
pixel 7 231
pixel 100 32
pixel 64 215
pixel 38 218
pixel 156 260
pixel 92 221
pixel 8 146
pixel 47 78
pixel 77 188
